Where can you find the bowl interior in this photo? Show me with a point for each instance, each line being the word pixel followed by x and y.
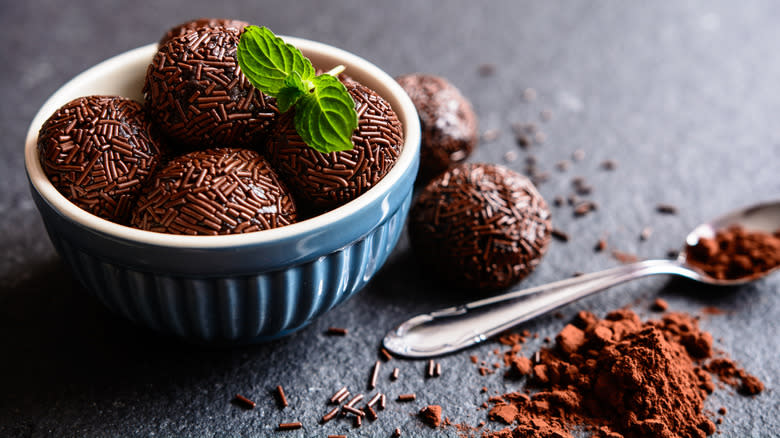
pixel 123 75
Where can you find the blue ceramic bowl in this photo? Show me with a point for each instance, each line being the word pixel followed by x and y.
pixel 238 288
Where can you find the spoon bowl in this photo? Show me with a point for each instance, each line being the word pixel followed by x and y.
pixel 763 217
pixel 448 330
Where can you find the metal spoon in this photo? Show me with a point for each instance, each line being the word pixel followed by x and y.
pixel 454 328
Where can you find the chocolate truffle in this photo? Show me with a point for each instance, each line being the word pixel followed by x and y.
pixel 448 122
pixel 198 95
pixel 189 26
pixel 480 226
pixel 325 181
pixel 214 191
pixel 98 151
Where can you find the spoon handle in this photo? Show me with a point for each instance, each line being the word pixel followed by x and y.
pixel 448 330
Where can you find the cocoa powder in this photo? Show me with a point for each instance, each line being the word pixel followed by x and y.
pixel 617 377
pixel 736 253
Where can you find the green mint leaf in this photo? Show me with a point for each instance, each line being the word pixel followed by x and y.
pixel 325 114
pixel 267 61
pixel 293 90
pixel 325 117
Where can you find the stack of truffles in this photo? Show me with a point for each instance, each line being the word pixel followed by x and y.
pixel 207 153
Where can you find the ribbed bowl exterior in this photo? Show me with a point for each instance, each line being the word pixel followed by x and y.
pixel 231 309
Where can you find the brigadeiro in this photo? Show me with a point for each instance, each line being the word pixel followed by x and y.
pixel 199 97
pixel 98 151
pixel 189 26
pixel 448 122
pixel 480 226
pixel 325 181
pixel 214 191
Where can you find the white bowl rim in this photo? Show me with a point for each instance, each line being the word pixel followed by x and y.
pixel 63 206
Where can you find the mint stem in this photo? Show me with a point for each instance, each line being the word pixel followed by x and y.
pixel 335 71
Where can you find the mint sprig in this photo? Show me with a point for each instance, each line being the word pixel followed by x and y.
pixel 325 114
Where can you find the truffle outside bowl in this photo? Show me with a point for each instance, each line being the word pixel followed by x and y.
pixel 230 289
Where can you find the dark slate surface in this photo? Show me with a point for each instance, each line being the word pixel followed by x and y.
pixel 683 95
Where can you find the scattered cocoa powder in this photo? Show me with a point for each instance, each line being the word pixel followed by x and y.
pixel 619 377
pixel 736 253
pixel 659 305
pixel 431 415
pixel 729 373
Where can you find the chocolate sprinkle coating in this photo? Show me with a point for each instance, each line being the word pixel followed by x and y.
pixel 189 26
pixel 326 181
pixel 199 97
pixel 215 191
pixel 98 151
pixel 480 226
pixel 447 119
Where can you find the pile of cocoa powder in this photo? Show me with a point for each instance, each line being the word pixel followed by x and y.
pixel 617 377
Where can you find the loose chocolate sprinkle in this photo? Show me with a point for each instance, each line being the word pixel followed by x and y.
pixel 646 233
pixel 337 436
pixel 98 152
pixel 666 209
pixel 330 415
pixel 430 368
pixel 374 399
pixel 198 96
pixel 437 371
pixel 581 186
pixel 395 374
pixel 558 201
pixel 545 115
pixel 374 375
pixel 342 397
pixel 354 400
pixel 382 402
pixel 249 403
pixel 559 235
pixel 358 420
pixel 486 69
pixel 609 165
pixel 584 208
pixel 529 94
pixel 353 410
pixel 540 137
pixel 326 181
pixel 290 426
pixel 562 165
pixel 337 331
pixel 338 394
pixel 624 257
pixel 578 155
pixel 407 397
pixel 282 398
pixel 370 413
pixel 601 245
pixel 385 354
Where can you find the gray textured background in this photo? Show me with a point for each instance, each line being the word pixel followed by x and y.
pixel 684 95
